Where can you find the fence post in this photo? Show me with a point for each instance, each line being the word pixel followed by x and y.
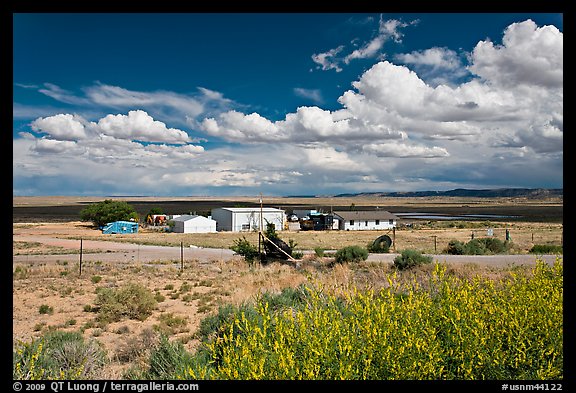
pixel 80 273
pixel 181 256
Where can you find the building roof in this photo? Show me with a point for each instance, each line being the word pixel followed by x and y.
pixel 252 209
pixel 187 217
pixel 366 215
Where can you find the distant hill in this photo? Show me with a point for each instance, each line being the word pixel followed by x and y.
pixel 531 193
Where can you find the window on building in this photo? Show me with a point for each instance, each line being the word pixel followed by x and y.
pixel 245 227
pixel 391 222
pixel 351 222
pixel 365 223
pixel 377 222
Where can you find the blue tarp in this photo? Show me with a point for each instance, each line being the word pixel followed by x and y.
pixel 120 227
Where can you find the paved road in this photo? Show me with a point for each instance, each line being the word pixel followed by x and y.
pixel 126 253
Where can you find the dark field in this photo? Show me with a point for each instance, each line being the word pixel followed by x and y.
pixel 63 209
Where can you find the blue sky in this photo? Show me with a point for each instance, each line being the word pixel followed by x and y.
pixel 285 103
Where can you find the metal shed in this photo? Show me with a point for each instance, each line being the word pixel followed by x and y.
pixel 194 224
pixel 120 227
pixel 239 219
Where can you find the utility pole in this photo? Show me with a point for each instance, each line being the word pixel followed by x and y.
pixel 260 230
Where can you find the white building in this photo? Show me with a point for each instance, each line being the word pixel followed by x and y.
pixel 193 224
pixel 365 220
pixel 239 219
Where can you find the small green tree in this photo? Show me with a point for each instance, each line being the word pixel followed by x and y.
pixel 101 213
pixel 246 249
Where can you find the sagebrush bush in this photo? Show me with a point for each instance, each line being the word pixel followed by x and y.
pixel 546 249
pixel 133 301
pixel 410 258
pixel 378 248
pixel 58 355
pixel 480 246
pixel 351 254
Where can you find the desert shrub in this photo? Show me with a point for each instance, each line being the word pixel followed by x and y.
pixel 171 324
pixel 58 355
pixel 475 247
pixel 455 247
pixel 167 359
pixel 133 301
pixel 319 251
pixel 410 258
pixel 495 246
pixel 351 254
pixel 378 248
pixel 45 309
pixel 480 246
pixel 96 279
pixel 246 249
pixel 546 249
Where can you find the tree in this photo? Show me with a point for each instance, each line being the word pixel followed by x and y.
pixel 101 213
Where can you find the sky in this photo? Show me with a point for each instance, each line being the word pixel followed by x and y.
pixel 224 104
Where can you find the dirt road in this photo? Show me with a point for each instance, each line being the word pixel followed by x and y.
pixel 106 251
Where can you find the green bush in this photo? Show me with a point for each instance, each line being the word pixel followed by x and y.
pixel 351 254
pixel 480 246
pixel 58 355
pixel 246 249
pixel 546 249
pixel 45 309
pixel 379 248
pixel 167 359
pixel 133 301
pixel 475 247
pixel 455 247
pixel 410 258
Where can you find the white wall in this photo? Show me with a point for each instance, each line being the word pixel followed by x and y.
pixel 196 225
pixel 360 225
pixel 249 220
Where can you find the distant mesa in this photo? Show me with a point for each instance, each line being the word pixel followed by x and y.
pixel 531 193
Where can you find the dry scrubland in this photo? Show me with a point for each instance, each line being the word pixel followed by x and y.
pixel 48 297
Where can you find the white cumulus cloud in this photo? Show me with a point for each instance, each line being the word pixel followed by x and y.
pixel 528 55
pixel 141 126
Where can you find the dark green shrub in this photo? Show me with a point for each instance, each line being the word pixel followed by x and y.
pixel 410 258
pixel 379 248
pixel 475 247
pixel 351 254
pixel 480 246
pixel 546 249
pixel 494 245
pixel 319 251
pixel 455 247
pixel 45 309
pixel 246 249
